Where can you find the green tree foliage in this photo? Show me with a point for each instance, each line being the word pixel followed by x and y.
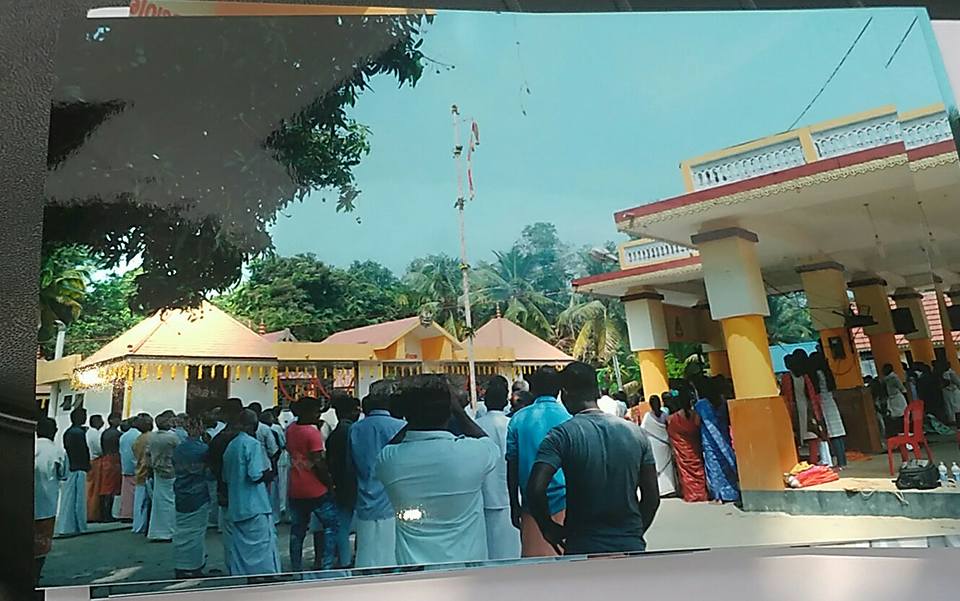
pixel 597 328
pixel 550 259
pixel 511 282
pixel 433 287
pixel 789 321
pixel 64 278
pixel 106 314
pixel 311 298
pixel 172 141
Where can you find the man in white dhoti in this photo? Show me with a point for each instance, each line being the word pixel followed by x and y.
pixel 278 490
pixel 143 476
pixel 163 509
pixel 72 517
pixel 503 540
pixel 246 472
pixel 654 424
pixel 192 497
pixel 49 470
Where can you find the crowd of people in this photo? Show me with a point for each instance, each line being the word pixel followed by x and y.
pixel 938 386
pixel 412 475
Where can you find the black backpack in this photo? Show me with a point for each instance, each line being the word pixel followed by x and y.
pixel 919 475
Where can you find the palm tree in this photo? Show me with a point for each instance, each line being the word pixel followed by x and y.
pixel 63 287
pixel 597 329
pixel 509 282
pixel 789 319
pixel 433 288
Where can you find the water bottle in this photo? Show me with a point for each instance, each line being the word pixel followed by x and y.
pixel 956 473
pixel 943 474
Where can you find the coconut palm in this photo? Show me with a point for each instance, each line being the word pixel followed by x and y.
pixel 509 283
pixel 434 288
pixel 63 287
pixel 596 327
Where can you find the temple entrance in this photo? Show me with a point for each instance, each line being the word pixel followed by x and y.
pixel 206 392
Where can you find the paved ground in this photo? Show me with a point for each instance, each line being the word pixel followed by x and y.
pixel 944 449
pixel 121 556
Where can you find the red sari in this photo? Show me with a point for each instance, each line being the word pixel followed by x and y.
pixel 684 434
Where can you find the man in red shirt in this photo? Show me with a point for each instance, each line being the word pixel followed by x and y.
pixel 310 488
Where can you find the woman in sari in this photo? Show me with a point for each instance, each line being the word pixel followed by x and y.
pixel 654 424
pixel 683 431
pixel 718 457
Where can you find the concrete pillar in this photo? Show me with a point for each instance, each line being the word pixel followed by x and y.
pixel 647 331
pixel 949 346
pixel 870 295
pixel 762 432
pixel 826 290
pixel 712 342
pixel 921 347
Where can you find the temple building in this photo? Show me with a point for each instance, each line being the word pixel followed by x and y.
pixel 857 212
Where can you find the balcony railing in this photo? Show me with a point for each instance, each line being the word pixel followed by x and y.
pixel 926 130
pixel 854 137
pixel 809 144
pixel 643 252
pixel 761 161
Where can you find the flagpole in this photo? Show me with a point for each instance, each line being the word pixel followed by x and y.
pixel 464 266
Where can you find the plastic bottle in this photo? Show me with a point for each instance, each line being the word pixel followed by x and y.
pixel 956 473
pixel 943 474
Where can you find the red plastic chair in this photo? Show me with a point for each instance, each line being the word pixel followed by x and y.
pixel 912 435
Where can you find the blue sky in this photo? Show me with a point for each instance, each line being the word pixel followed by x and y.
pixel 616 102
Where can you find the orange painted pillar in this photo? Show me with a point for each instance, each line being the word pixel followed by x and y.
pixel 826 291
pixel 870 294
pixel 760 425
pixel 949 346
pixel 653 372
pixel 921 347
pixel 749 351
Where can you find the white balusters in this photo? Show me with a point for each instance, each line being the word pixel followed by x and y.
pixel 754 163
pixel 856 136
pixel 640 252
pixel 926 130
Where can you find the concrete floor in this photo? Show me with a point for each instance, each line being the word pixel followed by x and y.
pixel 944 448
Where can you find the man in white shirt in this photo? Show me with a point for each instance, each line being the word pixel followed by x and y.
pixel 93 476
pixel 49 470
pixel 503 540
pixel 434 479
pixel 611 406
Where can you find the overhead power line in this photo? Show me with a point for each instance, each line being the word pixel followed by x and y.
pixel 836 70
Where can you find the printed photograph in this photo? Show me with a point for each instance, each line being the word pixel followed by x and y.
pixel 358 290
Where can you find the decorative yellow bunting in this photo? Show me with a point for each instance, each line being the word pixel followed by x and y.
pixel 286 372
pixel 249 372
pixel 260 371
pixel 199 372
pixel 160 371
pixel 173 372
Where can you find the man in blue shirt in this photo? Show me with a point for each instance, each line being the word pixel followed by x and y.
pixel 246 472
pixel 192 500
pixel 128 466
pixel 376 523
pixel 527 429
